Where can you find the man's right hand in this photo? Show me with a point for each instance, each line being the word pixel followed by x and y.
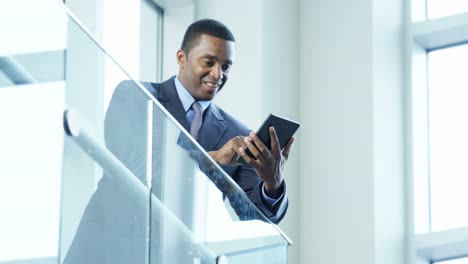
pixel 228 154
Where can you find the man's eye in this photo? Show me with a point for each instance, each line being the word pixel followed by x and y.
pixel 208 63
pixel 226 67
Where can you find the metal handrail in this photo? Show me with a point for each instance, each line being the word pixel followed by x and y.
pixel 124 177
pixel 15 72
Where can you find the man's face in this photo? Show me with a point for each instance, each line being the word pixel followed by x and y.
pixel 204 70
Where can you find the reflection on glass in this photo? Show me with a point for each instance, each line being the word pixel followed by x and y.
pixel 442 8
pixel 448 137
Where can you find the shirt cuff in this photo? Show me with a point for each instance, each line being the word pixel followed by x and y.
pixel 272 201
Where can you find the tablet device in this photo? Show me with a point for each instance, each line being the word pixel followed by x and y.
pixel 284 128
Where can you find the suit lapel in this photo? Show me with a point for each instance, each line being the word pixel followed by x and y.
pixel 213 128
pixel 167 95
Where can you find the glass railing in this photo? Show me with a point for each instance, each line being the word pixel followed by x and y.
pixel 95 170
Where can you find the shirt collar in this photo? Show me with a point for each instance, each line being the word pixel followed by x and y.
pixel 186 98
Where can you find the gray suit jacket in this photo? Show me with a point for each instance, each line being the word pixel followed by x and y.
pixel 219 127
pixel 114 218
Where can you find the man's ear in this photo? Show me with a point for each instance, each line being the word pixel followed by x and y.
pixel 181 58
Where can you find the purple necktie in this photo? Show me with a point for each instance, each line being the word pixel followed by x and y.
pixel 197 119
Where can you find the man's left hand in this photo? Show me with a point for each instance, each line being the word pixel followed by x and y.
pixel 269 164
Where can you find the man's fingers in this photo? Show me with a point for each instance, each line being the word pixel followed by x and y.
pixel 246 140
pixel 239 141
pixel 252 162
pixel 260 145
pixel 287 148
pixel 255 151
pixel 236 143
pixel 275 148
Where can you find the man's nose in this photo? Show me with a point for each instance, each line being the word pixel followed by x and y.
pixel 216 72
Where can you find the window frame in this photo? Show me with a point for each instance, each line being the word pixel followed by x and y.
pixel 422 36
pixel 159 10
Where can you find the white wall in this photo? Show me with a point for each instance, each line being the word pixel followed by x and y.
pixel 389 183
pixel 240 96
pixel 280 95
pixel 178 15
pixel 336 193
pixel 351 189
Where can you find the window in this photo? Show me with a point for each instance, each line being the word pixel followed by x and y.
pixel 454 261
pixel 135 42
pixel 439 129
pixel 442 8
pixel 151 22
pixel 448 136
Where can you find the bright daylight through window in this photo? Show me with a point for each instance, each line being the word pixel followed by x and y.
pixel 448 136
pixel 442 8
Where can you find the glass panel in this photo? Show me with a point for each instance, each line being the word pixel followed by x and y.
pixel 448 140
pixel 135 187
pixel 441 8
pixel 192 187
pixel 276 254
pixel 105 217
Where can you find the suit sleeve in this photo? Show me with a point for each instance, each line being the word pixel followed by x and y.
pixel 246 177
pixel 249 181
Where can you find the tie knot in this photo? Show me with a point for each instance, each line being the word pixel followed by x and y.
pixel 197 108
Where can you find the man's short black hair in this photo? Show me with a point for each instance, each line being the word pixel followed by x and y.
pixel 209 27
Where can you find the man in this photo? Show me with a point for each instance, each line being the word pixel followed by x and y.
pixel 205 59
